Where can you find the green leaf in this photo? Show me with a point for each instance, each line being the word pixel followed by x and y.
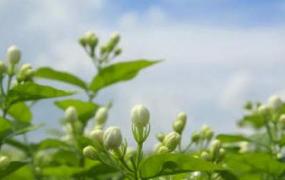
pixel 13 166
pixel 96 169
pixel 5 128
pixel 32 91
pixel 17 144
pixel 229 138
pixel 84 109
pixel 49 73
pixel 255 120
pixel 52 143
pixel 63 171
pixel 118 72
pixel 20 112
pixel 169 164
pixel 254 163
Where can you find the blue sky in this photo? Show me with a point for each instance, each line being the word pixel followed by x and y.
pixel 218 53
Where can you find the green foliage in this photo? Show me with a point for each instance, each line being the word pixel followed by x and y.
pixel 118 72
pixel 168 164
pixel 32 91
pixel 49 73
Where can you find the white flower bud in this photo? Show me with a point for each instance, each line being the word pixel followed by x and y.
pixel 101 116
pixel 71 114
pixel 180 122
pixel 25 72
pixel 91 39
pixel 244 147
pixel 207 132
pixel 160 136
pixel 195 137
pixel 157 146
pixel 115 37
pixel 3 68
pixel 13 54
pixel 274 102
pixel 205 156
pixel 97 135
pixel 140 116
pixel 4 162
pixel 263 109
pixel 112 138
pixel 282 119
pixel 162 150
pixel 171 140
pixel 89 152
pixel 216 145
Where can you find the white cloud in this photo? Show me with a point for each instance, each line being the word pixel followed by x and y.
pixel 235 92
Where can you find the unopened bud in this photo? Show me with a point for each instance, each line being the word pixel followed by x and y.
pixel 263 109
pixel 207 132
pixel 101 116
pixel 13 55
pixel 140 116
pixel 114 40
pixel 282 119
pixel 89 152
pixel 71 114
pixel 82 41
pixel 216 145
pixel 25 73
pixel 97 135
pixel 205 156
pixel 118 51
pixel 162 150
pixel 112 138
pixel 222 152
pixel 180 122
pixel 4 162
pixel 244 147
pixel 3 68
pixel 195 137
pixel 275 102
pixel 160 136
pixel 91 39
pixel 171 140
pixel 248 105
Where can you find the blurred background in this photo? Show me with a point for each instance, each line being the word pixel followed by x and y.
pixel 217 54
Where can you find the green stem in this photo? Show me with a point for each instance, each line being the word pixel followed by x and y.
pixel 271 139
pixel 138 160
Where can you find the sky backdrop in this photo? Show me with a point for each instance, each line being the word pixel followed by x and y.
pixel 218 54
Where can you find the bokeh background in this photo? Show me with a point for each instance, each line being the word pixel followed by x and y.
pixel 218 54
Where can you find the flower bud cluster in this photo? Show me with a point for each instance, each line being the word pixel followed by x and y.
pixel 89 41
pixel 216 150
pixel 168 143
pixel 180 123
pixel 73 125
pixel 204 134
pixel 25 73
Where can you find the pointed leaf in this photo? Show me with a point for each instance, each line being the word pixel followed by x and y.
pixel 118 72
pixel 32 91
pixel 169 164
pixel 20 112
pixel 49 73
pixel 13 166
